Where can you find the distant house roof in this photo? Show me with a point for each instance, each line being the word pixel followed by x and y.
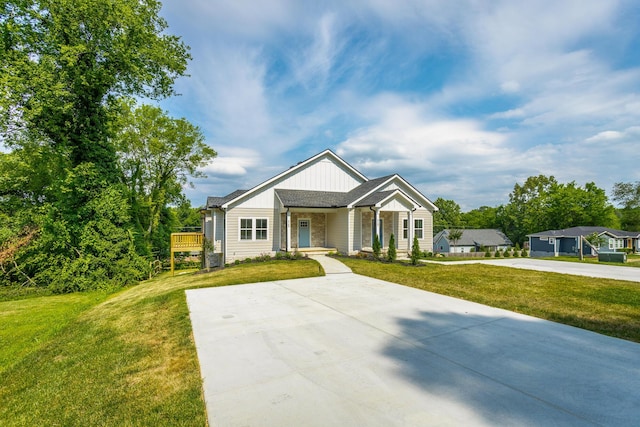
pixel 585 231
pixel 478 237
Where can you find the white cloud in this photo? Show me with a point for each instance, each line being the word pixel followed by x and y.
pixel 607 135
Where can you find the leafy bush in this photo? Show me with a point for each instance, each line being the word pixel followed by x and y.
pixel 507 253
pixel 487 254
pixel 497 253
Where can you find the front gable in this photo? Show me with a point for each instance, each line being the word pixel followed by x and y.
pixel 395 183
pixel 324 172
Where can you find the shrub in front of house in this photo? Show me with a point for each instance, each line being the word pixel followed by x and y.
pixel 415 251
pixel 497 253
pixel 391 253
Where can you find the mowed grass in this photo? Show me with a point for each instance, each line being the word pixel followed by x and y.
pixel 123 360
pixel 609 307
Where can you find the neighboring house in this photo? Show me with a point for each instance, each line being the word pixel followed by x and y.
pixel 566 242
pixel 472 240
pixel 320 203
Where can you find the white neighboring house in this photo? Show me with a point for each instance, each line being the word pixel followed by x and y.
pixel 320 203
pixel 472 240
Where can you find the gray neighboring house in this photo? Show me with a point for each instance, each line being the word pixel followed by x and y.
pixel 472 240
pixel 566 241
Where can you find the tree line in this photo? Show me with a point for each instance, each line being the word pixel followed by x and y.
pixel 91 172
pixel 542 203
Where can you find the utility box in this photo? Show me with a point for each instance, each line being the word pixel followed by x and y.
pixel 612 257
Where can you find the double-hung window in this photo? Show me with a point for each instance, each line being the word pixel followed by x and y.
pixel 417 228
pixel 254 229
pixel 246 228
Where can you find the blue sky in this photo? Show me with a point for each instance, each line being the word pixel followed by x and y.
pixel 461 98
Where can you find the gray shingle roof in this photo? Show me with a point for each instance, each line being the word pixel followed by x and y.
pixel 311 199
pixel 216 202
pixel 479 237
pixel 374 198
pixel 329 199
pixel 585 231
pixel 364 188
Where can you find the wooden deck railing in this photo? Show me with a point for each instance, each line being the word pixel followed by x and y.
pixel 186 242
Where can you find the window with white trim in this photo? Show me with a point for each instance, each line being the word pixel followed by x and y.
pixel 261 229
pixel 254 229
pixel 417 228
pixel 246 228
pixel 616 243
pixel 405 228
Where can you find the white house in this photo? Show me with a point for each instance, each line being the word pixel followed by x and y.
pixel 472 240
pixel 320 203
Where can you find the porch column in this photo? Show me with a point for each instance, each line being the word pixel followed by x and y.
pixel 288 245
pixel 376 226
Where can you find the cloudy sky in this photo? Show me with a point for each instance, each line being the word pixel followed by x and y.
pixel 463 98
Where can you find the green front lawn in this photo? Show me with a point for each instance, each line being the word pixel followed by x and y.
pixel 609 307
pixel 127 359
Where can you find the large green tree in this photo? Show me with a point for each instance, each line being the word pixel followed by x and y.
pixel 627 194
pixel 157 155
pixel 448 215
pixel 482 217
pixel 62 62
pixel 542 203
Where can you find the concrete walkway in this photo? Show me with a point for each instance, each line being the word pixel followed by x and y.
pixel 579 269
pixel 348 350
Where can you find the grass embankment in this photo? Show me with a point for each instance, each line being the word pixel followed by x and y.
pixel 127 359
pixel 609 307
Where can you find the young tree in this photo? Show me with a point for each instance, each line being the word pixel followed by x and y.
pixel 455 235
pixel 376 246
pixel 391 252
pixel 415 251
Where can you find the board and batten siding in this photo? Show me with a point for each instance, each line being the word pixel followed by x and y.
pixel 241 249
pixel 322 175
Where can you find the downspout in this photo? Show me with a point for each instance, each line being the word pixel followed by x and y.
pixel 287 225
pixel 224 234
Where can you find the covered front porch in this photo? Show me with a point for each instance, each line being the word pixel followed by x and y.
pixel 344 230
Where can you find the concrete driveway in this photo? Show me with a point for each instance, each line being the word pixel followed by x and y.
pixel 579 269
pixel 348 350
